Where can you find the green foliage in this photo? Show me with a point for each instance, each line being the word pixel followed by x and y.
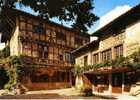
pixel 5 52
pixel 13 70
pixel 3 77
pixel 133 62
pixel 77 70
pixel 76 11
pixel 86 90
pixel 120 62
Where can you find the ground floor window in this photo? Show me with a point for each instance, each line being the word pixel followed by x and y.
pixel 57 76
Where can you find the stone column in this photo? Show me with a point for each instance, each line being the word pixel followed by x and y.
pixel 110 82
pixel 100 60
pixel 79 82
pixel 91 58
pixel 113 53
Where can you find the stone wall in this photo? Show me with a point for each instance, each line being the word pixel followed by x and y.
pixel 129 38
pixel 80 60
pixel 132 40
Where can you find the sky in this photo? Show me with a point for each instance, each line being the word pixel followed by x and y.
pixel 106 10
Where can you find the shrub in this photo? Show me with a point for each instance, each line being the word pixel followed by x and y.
pixel 86 91
pixel 5 52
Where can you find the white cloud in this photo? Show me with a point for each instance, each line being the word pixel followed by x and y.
pixel 116 12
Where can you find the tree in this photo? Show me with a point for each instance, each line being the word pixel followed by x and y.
pixel 4 78
pixel 78 11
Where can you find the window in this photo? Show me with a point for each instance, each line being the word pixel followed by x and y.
pixel 106 55
pixel 60 54
pixel 95 58
pixel 40 51
pixel 39 29
pixel 61 36
pixel 72 59
pixel 85 60
pixel 43 51
pixel 27 49
pixel 61 57
pixel 67 57
pixel 118 51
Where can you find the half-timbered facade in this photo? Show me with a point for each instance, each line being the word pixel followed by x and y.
pixel 45 48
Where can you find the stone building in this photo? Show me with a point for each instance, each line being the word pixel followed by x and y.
pixel 44 46
pixel 119 38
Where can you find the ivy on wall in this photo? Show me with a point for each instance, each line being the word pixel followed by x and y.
pixel 5 52
pixel 133 62
pixel 12 65
pixel 4 78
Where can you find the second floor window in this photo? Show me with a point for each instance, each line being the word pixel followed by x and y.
pixel 43 51
pixel 69 57
pixel 39 29
pixel 95 58
pixel 106 55
pixel 118 51
pixel 85 60
pixel 60 57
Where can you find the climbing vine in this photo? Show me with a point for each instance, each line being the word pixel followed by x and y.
pixel 5 52
pixel 13 67
pixel 132 61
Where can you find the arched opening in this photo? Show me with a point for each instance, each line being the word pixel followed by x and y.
pixel 4 78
